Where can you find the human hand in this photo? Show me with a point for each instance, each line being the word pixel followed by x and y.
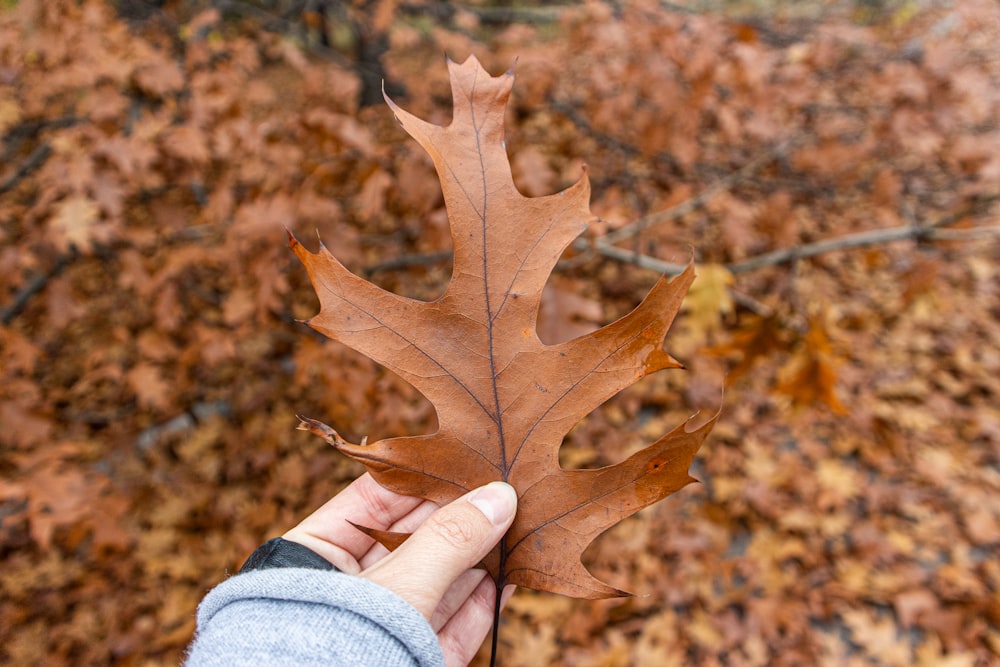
pixel 432 569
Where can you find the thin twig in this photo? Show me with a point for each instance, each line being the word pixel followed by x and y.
pixel 198 413
pixel 929 232
pixel 785 255
pixel 976 206
pixel 758 308
pixel 973 234
pixel 672 269
pixel 33 287
pixel 702 198
pixel 33 162
pixel 403 261
pixel 638 259
pixel 858 240
pixel 16 136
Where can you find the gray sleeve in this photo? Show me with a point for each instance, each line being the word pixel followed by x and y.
pixel 293 616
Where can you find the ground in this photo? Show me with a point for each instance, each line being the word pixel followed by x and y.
pixel 833 174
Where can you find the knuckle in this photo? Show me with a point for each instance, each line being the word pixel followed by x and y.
pixel 457 531
pixel 380 508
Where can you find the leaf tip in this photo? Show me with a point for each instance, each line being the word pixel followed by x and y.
pixel 320 429
pixel 392 105
pixel 364 529
pixel 322 246
pixel 704 427
pixel 510 70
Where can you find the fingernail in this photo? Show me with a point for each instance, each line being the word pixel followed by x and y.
pixel 496 500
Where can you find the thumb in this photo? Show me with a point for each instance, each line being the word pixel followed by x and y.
pixel 452 540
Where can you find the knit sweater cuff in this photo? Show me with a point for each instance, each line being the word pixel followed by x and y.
pixel 293 616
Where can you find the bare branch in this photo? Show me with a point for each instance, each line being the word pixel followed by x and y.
pixel 637 259
pixel 702 198
pixel 973 234
pixel 931 232
pixel 416 259
pixel 858 240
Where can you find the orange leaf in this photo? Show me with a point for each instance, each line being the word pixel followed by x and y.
pixel 810 376
pixel 504 399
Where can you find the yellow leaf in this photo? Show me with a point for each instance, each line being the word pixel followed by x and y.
pixel 709 299
pixel 74 221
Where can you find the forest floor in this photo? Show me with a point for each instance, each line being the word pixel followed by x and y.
pixel 835 176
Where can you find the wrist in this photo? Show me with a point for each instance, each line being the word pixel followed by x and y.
pixel 279 552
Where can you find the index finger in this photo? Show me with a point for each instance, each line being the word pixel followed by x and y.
pixel 363 502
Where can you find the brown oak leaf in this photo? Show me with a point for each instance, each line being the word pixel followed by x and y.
pixel 504 399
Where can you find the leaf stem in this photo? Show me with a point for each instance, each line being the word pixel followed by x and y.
pixel 495 633
pixel 499 582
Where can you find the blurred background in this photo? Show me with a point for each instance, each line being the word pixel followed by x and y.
pixel 833 167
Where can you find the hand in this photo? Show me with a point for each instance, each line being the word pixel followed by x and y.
pixel 432 569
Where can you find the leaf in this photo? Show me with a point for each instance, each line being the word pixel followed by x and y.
pixel 76 222
pixel 504 399
pixel 187 143
pixel 150 388
pixel 755 341
pixel 810 376
pixel 709 299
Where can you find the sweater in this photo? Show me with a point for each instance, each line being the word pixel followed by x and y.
pixel 297 616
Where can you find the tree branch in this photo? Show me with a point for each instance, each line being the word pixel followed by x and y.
pixel 702 197
pixel 858 240
pixel 973 234
pixel 931 232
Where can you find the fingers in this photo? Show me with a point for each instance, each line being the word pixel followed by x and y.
pixel 457 595
pixel 327 531
pixel 451 541
pixel 407 524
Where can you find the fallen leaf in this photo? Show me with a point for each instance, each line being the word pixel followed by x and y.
pixel 149 386
pixel 504 399
pixel 755 342
pixel 709 299
pixel 911 604
pixel 810 376
pixel 75 222
pixel 187 143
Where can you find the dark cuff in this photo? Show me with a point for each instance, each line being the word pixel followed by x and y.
pixel 282 553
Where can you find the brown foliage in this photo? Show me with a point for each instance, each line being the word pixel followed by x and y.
pixel 504 400
pixel 150 368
